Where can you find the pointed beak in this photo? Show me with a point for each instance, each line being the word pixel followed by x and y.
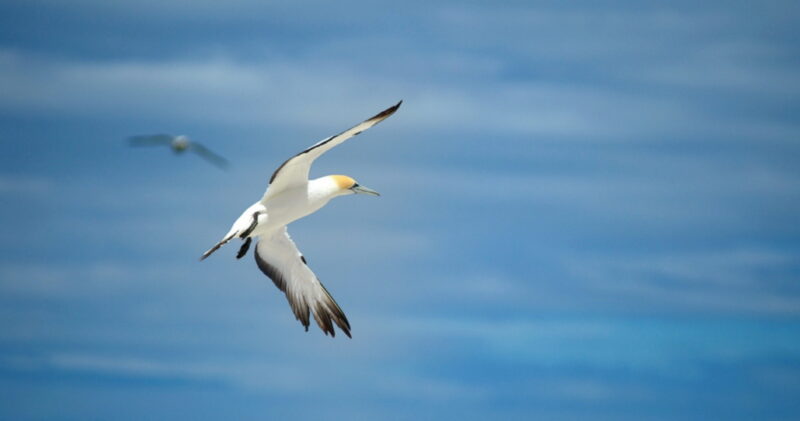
pixel 358 189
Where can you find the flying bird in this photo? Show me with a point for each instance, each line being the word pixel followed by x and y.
pixel 179 144
pixel 290 195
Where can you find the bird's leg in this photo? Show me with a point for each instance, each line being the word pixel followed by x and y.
pixel 245 247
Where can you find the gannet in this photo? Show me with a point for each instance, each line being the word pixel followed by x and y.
pixel 290 195
pixel 179 144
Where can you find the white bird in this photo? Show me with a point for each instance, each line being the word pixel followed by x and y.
pixel 291 196
pixel 179 144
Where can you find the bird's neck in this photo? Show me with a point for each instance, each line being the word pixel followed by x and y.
pixel 323 189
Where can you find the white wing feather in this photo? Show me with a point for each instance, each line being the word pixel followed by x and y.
pixel 277 256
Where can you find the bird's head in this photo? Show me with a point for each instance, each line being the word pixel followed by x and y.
pixel 347 185
pixel 180 143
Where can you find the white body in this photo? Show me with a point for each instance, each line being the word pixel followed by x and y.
pixel 277 211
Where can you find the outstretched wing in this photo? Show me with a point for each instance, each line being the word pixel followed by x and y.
pixel 151 140
pixel 209 156
pixel 277 256
pixel 294 172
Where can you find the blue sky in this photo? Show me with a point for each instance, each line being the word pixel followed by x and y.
pixel 589 210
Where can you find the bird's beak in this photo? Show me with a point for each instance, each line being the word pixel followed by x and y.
pixel 358 189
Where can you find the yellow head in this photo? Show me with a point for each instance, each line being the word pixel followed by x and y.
pixel 344 182
pixel 348 185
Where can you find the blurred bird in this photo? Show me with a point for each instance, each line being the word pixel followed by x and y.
pixel 179 144
pixel 291 196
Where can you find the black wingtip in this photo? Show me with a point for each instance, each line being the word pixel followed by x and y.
pixel 387 112
pixel 394 107
pixel 224 166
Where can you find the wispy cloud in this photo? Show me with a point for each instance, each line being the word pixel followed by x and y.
pixel 287 91
pixel 13 185
pixel 733 281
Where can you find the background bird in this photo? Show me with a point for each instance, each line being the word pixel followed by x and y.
pixel 290 196
pixel 179 144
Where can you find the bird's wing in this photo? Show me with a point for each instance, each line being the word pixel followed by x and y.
pixel 277 256
pixel 209 156
pixel 151 140
pixel 294 172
